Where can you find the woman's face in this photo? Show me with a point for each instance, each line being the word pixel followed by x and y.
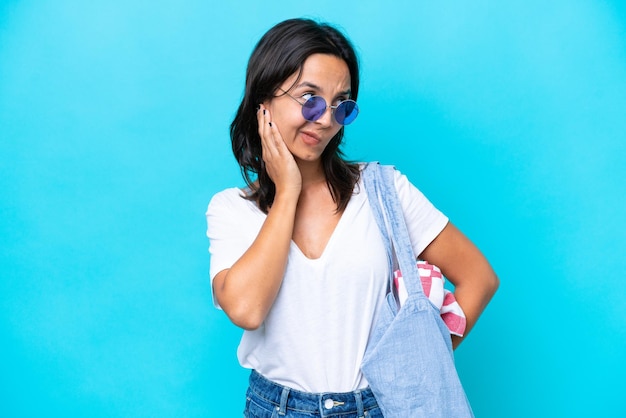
pixel 322 75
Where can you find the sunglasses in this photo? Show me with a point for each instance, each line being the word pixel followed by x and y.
pixel 314 108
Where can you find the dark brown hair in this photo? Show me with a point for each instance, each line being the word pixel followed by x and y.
pixel 280 53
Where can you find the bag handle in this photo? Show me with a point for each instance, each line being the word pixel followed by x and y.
pixel 379 182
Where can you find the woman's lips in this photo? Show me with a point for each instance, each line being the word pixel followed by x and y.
pixel 310 138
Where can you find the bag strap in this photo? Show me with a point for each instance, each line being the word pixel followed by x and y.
pixel 379 182
pixel 370 183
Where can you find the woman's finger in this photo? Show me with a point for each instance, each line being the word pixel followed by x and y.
pixel 279 162
pixel 271 140
pixel 268 142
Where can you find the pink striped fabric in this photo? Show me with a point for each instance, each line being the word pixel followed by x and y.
pixel 433 285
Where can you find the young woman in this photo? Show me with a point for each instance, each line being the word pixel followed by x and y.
pixel 297 259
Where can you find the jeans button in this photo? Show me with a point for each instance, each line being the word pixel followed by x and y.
pixel 328 403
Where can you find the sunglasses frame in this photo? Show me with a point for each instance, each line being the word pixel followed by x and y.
pixel 332 108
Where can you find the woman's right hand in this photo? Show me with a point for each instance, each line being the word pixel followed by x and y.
pixel 279 162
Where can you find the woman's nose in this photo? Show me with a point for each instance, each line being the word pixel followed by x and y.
pixel 327 117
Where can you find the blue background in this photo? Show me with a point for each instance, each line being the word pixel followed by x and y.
pixel 114 135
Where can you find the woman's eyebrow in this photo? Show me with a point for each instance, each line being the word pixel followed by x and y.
pixel 315 87
pixel 309 85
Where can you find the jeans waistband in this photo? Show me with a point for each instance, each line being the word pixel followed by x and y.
pixel 327 404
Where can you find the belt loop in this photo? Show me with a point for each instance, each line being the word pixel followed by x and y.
pixel 283 401
pixel 359 404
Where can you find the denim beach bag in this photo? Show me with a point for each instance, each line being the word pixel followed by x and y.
pixel 408 362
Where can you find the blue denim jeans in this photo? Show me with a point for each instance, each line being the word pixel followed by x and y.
pixel 266 399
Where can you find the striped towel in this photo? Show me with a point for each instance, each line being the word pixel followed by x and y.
pixel 432 283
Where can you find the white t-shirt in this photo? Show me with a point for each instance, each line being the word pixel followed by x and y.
pixel 315 334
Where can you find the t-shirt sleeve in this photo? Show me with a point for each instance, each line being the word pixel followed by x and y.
pixel 423 219
pixel 228 236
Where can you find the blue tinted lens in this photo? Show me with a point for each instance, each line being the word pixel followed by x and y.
pixel 346 112
pixel 314 108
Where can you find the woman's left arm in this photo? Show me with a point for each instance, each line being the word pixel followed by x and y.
pixel 468 270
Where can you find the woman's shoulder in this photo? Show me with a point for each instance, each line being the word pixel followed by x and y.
pixel 229 199
pixel 398 175
pixel 405 187
pixel 364 164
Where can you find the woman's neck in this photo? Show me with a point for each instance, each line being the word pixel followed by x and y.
pixel 312 173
